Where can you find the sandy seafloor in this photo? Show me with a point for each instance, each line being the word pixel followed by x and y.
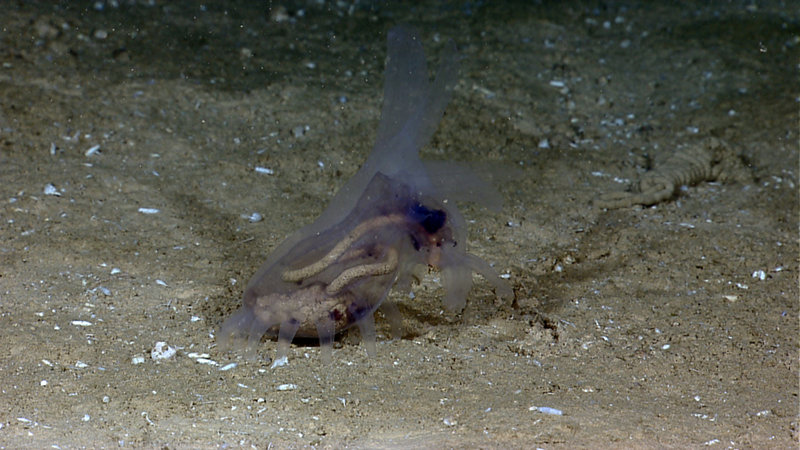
pixel 648 327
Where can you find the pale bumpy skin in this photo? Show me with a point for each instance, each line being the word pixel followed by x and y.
pixel 395 215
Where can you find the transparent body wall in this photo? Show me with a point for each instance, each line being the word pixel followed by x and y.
pixel 396 214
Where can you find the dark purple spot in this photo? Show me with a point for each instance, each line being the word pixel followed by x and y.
pixel 432 220
pixel 356 312
pixel 415 242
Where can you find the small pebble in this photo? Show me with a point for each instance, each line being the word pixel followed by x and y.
pixel 279 14
pixel 299 131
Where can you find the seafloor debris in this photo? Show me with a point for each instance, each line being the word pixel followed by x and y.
pixel 711 160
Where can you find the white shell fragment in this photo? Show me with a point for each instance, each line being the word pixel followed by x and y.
pixel 287 387
pixel 163 351
pixel 282 361
pixel 149 210
pixel 227 367
pixel 81 323
pixel 264 170
pixel 254 217
pixel 203 358
pixel 547 410
pixel 137 360
pixel 93 150
pixel 50 189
